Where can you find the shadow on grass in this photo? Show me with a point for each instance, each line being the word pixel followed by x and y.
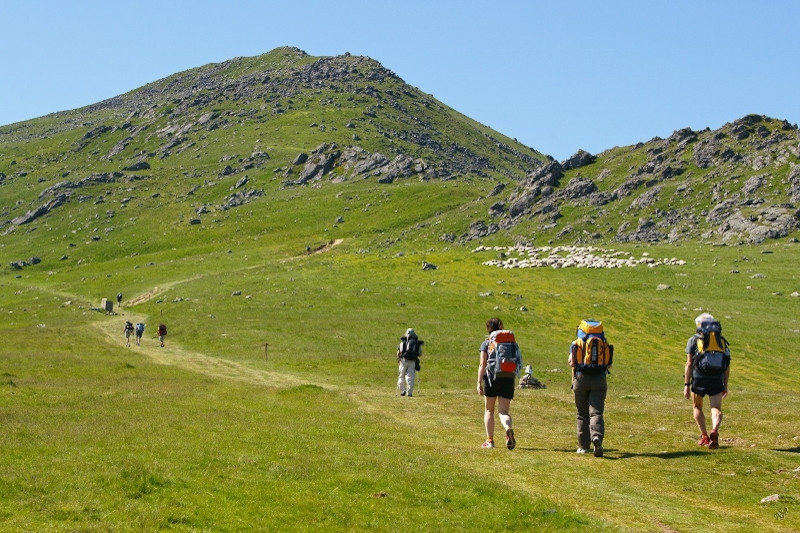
pixel 664 455
pixel 629 455
pixel 790 450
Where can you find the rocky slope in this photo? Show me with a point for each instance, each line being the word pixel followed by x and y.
pixel 740 183
pixel 228 134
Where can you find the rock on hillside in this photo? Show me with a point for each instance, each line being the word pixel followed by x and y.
pixel 740 183
pixel 228 124
pixel 228 134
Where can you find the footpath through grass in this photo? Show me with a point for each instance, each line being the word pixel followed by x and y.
pixel 210 433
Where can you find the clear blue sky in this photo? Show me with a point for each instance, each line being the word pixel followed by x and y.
pixel 556 75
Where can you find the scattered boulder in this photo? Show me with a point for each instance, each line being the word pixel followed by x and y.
pixel 581 158
pixel 527 381
pixel 141 165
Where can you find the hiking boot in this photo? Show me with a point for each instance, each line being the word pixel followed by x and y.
pixel 409 395
pixel 704 441
pixel 598 447
pixel 511 443
pixel 488 444
pixel 714 440
pixel 402 393
pixel 581 450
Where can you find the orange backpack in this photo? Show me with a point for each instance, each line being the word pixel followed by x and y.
pixel 591 353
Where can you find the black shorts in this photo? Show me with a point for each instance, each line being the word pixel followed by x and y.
pixel 708 385
pixel 503 387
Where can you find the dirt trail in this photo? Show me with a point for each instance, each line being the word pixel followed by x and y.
pixel 158 290
pixel 136 300
pixel 173 354
pixel 328 246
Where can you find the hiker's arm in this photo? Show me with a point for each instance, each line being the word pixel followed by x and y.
pixel 687 376
pixel 482 371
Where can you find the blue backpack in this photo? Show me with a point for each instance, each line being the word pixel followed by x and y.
pixel 505 357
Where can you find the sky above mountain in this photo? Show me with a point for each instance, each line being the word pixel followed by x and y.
pixel 557 76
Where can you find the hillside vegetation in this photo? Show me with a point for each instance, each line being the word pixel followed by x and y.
pixel 287 217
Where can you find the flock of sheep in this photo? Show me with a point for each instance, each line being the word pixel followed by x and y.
pixel 526 256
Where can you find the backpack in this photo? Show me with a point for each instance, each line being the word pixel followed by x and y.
pixel 591 353
pixel 162 330
pixel 139 328
pixel 505 357
pixel 412 348
pixel 713 353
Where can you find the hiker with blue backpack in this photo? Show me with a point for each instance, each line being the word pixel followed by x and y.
pixel 590 356
pixel 500 364
pixel 708 359
pixel 408 353
pixel 139 333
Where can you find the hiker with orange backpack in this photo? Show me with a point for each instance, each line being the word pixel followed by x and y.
pixel 708 359
pixel 500 364
pixel 590 356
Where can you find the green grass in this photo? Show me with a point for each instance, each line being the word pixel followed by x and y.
pixel 273 404
pixel 211 433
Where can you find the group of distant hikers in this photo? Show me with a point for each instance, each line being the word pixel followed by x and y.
pixel 706 373
pixel 138 331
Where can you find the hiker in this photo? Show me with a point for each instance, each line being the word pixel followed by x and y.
pixel 128 330
pixel 500 363
pixel 408 354
pixel 119 299
pixel 139 333
pixel 162 332
pixel 590 355
pixel 706 372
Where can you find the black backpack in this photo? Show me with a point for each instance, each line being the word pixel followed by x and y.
pixel 412 348
pixel 713 353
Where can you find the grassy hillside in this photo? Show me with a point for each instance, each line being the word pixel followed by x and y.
pixel 273 404
pixel 216 432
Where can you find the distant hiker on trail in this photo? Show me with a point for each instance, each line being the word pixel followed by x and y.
pixel 119 299
pixel 708 359
pixel 139 333
pixel 500 364
pixel 128 331
pixel 590 355
pixel 162 332
pixel 408 353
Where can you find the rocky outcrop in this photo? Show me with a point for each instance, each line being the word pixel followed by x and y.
pixel 353 163
pixel 42 210
pixel 581 158
pixel 740 183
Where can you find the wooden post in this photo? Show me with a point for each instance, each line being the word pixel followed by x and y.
pixel 266 346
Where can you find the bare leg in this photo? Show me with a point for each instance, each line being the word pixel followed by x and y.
pixel 503 405
pixel 716 411
pixel 699 416
pixel 488 416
